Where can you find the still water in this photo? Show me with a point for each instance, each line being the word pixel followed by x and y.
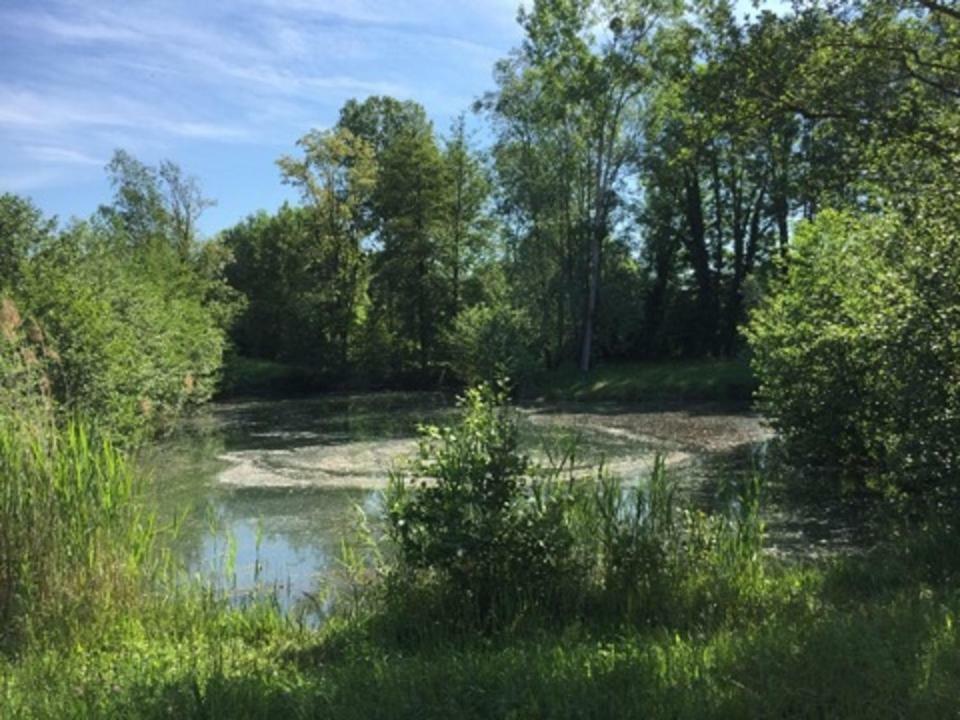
pixel 264 492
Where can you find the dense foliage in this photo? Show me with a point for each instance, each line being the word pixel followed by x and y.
pixel 857 347
pixel 648 168
pixel 485 538
pixel 128 314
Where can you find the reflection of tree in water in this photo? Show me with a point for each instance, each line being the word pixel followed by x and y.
pixel 285 424
pixel 303 518
pixel 179 471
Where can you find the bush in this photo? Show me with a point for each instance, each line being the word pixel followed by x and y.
pixel 486 538
pixel 133 339
pixel 471 512
pixel 72 538
pixel 490 341
pixel 857 347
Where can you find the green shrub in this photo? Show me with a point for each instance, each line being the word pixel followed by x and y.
pixel 471 512
pixel 486 538
pixel 490 341
pixel 133 336
pixel 857 347
pixel 72 537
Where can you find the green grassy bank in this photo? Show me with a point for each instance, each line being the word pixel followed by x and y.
pixel 690 381
pixel 724 381
pixel 831 642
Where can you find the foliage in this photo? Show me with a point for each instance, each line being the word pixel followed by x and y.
pixel 856 346
pixel 135 341
pixel 869 634
pixel 488 341
pixel 127 311
pixel 336 177
pixel 72 537
pixel 244 377
pixel 22 230
pixel 478 519
pixel 498 538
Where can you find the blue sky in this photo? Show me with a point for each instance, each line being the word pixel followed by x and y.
pixel 222 88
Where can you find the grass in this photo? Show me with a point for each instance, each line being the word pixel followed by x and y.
pixel 822 649
pixel 674 616
pixel 725 381
pixel 690 381
pixel 71 531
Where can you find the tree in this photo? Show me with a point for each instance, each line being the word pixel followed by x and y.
pixel 155 205
pixel 588 64
pixel 23 229
pixel 409 203
pixel 184 204
pixel 336 177
pixel 465 224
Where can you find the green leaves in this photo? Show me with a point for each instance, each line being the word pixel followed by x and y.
pixel 470 512
pixel 856 347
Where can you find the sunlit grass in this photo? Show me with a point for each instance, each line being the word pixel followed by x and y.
pixel 696 381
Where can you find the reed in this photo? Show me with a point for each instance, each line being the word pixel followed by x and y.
pixel 74 541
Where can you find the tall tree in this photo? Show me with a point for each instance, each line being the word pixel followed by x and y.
pixel 465 226
pixel 155 204
pixel 336 176
pixel 589 63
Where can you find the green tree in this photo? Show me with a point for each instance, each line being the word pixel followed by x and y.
pixel 586 65
pixel 23 229
pixel 466 226
pixel 337 177
pixel 155 205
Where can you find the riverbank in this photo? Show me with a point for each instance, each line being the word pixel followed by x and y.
pixel 689 381
pixel 685 382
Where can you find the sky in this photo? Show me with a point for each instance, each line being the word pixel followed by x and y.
pixel 221 87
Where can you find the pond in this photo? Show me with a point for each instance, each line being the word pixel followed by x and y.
pixel 264 492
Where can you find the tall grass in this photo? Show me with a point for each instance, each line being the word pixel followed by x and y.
pixel 73 539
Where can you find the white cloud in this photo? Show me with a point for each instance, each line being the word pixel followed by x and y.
pixel 60 155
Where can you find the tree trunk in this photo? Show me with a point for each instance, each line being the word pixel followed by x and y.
pixel 593 289
pixel 696 244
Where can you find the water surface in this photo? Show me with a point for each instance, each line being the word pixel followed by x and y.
pixel 266 491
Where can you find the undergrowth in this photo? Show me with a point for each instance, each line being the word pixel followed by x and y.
pixel 504 590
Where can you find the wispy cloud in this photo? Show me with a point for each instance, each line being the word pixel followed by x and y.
pixel 27 109
pixel 29 180
pixel 236 81
pixel 60 155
